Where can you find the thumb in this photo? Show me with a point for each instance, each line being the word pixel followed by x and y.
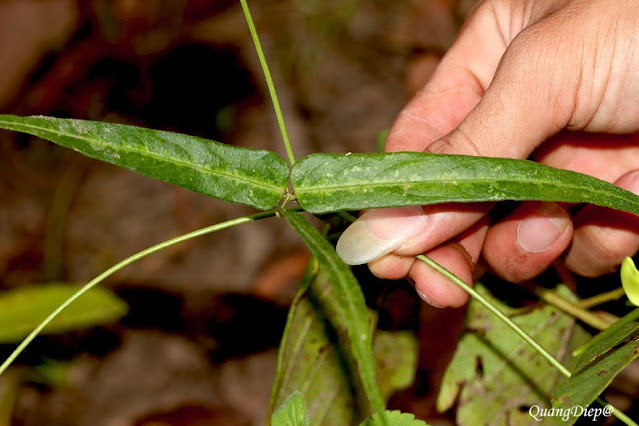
pixel 531 97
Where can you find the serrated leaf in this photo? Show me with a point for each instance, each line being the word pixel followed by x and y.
pixel 494 375
pixel 395 418
pixel 334 182
pixel 292 412
pixel 22 309
pixel 630 280
pixel 257 178
pixel 605 356
pixel 310 360
pixel 347 310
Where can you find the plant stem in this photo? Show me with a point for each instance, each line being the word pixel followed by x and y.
pixel 122 264
pixel 513 326
pixel 269 82
pixel 347 216
pixel 499 314
pixel 554 299
pixel 602 298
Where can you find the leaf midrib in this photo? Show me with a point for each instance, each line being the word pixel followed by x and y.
pixel 317 188
pixel 173 160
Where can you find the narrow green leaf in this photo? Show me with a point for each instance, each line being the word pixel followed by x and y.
pixel 605 356
pixel 395 418
pixel 630 280
pixel 349 306
pixel 622 331
pixel 292 412
pixel 311 360
pixel 257 178
pixel 23 308
pixel 333 182
pixel 495 375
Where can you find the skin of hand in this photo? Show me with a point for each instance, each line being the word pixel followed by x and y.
pixel 554 80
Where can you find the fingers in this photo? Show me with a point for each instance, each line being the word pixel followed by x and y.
pixel 524 105
pixel 459 257
pixel 525 243
pixel 603 237
pixel 455 88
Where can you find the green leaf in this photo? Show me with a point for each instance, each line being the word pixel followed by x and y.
pixel 396 357
pixel 347 309
pixel 605 356
pixel 257 178
pixel 333 182
pixel 630 280
pixel 292 412
pixel 494 375
pixel 395 418
pixel 311 361
pixel 622 331
pixel 23 308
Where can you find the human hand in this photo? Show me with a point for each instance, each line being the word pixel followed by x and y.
pixel 553 78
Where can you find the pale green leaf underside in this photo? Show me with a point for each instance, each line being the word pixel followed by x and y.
pixel 349 306
pixel 257 178
pixel 334 182
pixel 494 372
pixel 311 360
pixel 23 308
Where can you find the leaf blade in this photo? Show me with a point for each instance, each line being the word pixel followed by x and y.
pixel 23 308
pixel 494 373
pixel 349 302
pixel 333 182
pixel 254 177
pixel 604 357
pixel 311 361
pixel 292 412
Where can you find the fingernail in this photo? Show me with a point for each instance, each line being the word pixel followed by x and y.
pixel 379 232
pixel 540 231
pixel 427 300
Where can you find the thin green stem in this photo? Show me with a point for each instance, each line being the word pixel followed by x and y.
pixel 513 326
pixel 347 216
pixel 269 82
pixel 499 314
pixel 122 264
pixel 554 299
pixel 608 296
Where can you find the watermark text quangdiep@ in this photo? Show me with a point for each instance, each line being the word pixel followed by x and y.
pixel 593 413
